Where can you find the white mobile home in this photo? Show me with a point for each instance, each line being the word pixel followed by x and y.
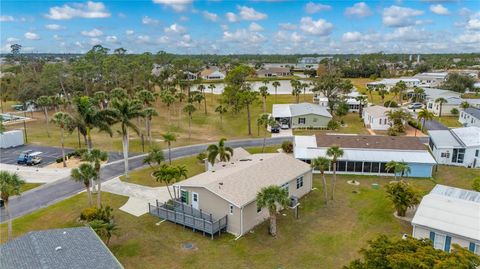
pixel 375 118
pixel 470 117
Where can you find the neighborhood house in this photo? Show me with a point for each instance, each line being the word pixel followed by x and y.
pixel 274 72
pixel 375 117
pixel 303 115
pixel 470 117
pixel 212 73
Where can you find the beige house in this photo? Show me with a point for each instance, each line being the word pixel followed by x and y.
pixel 230 189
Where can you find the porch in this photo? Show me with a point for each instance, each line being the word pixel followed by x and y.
pixel 190 217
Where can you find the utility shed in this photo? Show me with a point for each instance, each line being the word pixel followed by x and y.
pixel 72 248
pixel 449 215
pixel 11 139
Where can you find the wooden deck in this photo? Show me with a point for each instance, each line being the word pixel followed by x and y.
pixel 190 217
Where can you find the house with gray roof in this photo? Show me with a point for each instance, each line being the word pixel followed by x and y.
pixel 72 248
pixel 470 117
pixel 303 115
pixel 375 117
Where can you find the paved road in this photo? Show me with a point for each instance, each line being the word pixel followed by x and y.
pixel 51 193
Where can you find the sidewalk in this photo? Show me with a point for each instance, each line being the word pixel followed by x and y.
pixel 32 174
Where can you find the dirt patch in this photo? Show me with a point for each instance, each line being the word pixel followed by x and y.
pixel 71 163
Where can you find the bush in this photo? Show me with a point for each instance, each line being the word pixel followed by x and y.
pixel 454 111
pixel 414 124
pixel 287 146
pixel 390 103
pixel 201 156
pixel 89 214
pixel 476 184
pixel 332 125
pixel 392 131
pixel 59 160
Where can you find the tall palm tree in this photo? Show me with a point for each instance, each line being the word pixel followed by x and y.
pixel 382 93
pixel 398 117
pixel 264 121
pixel 264 93
pixel 148 113
pixel 100 97
pixel 418 93
pixel 322 164
pixel 334 152
pixel 304 87
pixel 401 88
pixel 168 99
pixel 296 89
pixel 118 93
pixel 45 102
pixel 424 115
pixel 220 109
pixel 212 87
pixel 270 198
pixel 370 90
pixel 224 153
pixel 125 110
pixel 275 85
pixel 442 101
pixel 201 88
pixel 10 184
pixel 189 109
pixel 64 122
pixel 362 100
pixel 398 168
pixel 169 138
pixel 84 174
pixel 95 157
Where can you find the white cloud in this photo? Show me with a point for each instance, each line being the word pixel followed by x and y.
pixel 129 32
pixel 163 40
pixel 396 16
pixel 143 39
pixel 319 27
pixel 112 39
pixel 175 29
pixel 6 18
pixel 31 36
pixel 57 37
pixel 250 14
pixel 88 10
pixel 243 36
pixel 95 41
pixel 54 27
pixel 231 17
pixel 149 21
pixel 287 26
pixel 407 34
pixel 12 40
pixel 210 16
pixel 469 38
pixel 439 9
pixel 177 5
pixel 473 22
pixel 255 27
pixel 282 36
pixel 311 7
pixel 359 10
pixel 92 33
pixel 224 27
pixel 78 44
pixel 351 37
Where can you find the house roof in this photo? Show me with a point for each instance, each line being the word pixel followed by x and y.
pixel 451 210
pixel 239 182
pixel 441 75
pixel 433 93
pixel 207 71
pixel 370 142
pixel 292 110
pixel 474 112
pixel 57 248
pixel 269 70
pixel 444 139
pixel 470 136
pixel 376 111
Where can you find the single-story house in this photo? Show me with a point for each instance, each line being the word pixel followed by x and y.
pixel 212 73
pixel 447 216
pixel 391 82
pixel 432 79
pixel 368 154
pixel 457 146
pixel 470 117
pixel 352 102
pixel 375 118
pixel 303 115
pixel 274 72
pixel 453 101
pixel 57 248
pixel 230 189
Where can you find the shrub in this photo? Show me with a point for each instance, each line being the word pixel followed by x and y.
pixel 201 156
pixel 104 213
pixel 454 111
pixel 287 146
pixel 89 214
pixel 403 196
pixel 414 124
pixel 476 184
pixel 59 160
pixel 392 131
pixel 390 103
pixel 333 125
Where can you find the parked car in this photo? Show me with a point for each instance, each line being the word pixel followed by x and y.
pixel 22 158
pixel 275 129
pixel 415 106
pixel 34 158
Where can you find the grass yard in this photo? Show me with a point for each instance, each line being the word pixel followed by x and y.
pixel 353 125
pixel 449 121
pixel 324 236
pixel 28 186
pixel 471 95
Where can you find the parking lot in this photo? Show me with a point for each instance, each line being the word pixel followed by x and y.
pixel 49 154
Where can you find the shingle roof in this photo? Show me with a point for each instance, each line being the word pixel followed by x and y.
pixel 73 248
pixel 292 110
pixel 475 112
pixel 239 182
pixel 370 142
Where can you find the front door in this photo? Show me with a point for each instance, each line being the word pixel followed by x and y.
pixel 195 200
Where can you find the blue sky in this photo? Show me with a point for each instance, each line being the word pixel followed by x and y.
pixel 223 27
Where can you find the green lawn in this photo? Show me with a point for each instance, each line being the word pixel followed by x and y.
pixel 28 186
pixel 449 121
pixel 353 125
pixel 324 236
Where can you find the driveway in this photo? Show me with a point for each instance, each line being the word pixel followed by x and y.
pixel 283 133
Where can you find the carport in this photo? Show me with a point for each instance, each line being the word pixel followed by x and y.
pixel 282 114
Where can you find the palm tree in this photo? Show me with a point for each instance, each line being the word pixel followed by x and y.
pixel 382 93
pixel 63 121
pixel 264 121
pixel 189 109
pixel 224 153
pixel 276 84
pixel 362 99
pixel 418 93
pixel 10 184
pixel 84 174
pixel 168 99
pixel 398 168
pixel 201 88
pixel 398 117
pixel 100 97
pixel 370 90
pixel 211 87
pixel 154 157
pixel 401 88
pixel 125 110
pixel 271 197
pixel 424 115
pixel 322 164
pixel 95 157
pixel 304 87
pixel 464 105
pixel 442 101
pixel 118 93
pixel 220 109
pixel 334 152
pixel 264 93
pixel 169 138
pixel 296 89
pixel 45 102
pixel 168 175
pixel 148 113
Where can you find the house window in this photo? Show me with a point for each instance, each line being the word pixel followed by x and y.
pixel 284 186
pixel 230 209
pixel 184 196
pixel 341 165
pixel 380 121
pixel 475 248
pixel 301 120
pixel 299 182
pixel 375 167
pixel 477 152
pixel 445 154
pixel 439 241
pixel 457 155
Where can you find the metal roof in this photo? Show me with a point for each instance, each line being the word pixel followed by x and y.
pixel 451 210
pixel 74 248
pixel 444 139
pixel 376 111
pixel 474 112
pixel 291 110
pixel 470 136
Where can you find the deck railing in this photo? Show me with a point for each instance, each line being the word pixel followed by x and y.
pixel 190 217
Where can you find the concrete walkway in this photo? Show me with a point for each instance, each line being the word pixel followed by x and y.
pixel 283 133
pixel 139 196
pixel 32 174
